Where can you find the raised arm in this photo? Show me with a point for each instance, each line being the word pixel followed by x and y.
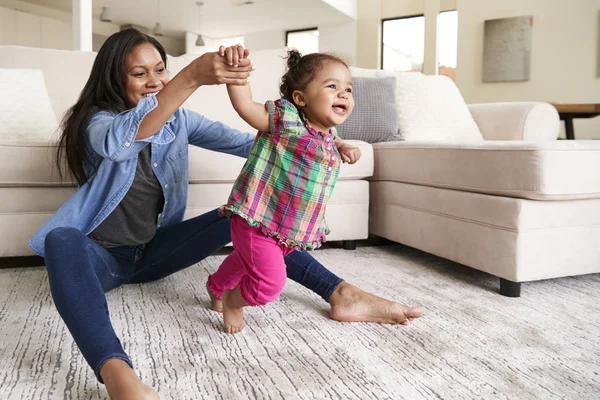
pixel 252 112
pixel 208 69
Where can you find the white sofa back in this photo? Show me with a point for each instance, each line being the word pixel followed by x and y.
pixel 66 72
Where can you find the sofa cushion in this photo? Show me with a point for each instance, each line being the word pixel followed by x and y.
pixel 432 108
pixel 516 239
pixel 26 110
pixel 25 163
pixel 557 170
pixel 428 107
pixel 63 88
pixel 374 117
pixel 211 167
pixel 28 163
pixel 350 197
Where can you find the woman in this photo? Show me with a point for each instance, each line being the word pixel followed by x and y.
pixel 125 141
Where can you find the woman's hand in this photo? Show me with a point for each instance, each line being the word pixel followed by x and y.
pixel 230 66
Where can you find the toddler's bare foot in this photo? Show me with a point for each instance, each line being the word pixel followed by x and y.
pixel 215 303
pixel 122 383
pixel 233 311
pixel 351 304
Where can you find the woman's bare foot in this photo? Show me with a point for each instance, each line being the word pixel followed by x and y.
pixel 233 310
pixel 122 383
pixel 215 303
pixel 351 304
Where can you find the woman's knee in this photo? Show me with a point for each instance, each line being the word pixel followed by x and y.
pixel 62 236
pixel 60 243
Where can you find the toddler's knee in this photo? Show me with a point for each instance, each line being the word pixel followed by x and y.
pixel 268 292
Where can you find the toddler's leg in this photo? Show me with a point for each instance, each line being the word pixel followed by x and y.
pixel 233 310
pixel 264 277
pixel 226 277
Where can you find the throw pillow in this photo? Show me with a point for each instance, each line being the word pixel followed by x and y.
pixel 430 107
pixel 374 117
pixel 25 109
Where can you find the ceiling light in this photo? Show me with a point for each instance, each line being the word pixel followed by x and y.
pixel 199 40
pixel 158 30
pixel 106 15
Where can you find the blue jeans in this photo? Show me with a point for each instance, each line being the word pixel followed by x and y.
pixel 80 271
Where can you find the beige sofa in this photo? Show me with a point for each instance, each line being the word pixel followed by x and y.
pixel 521 210
pixel 519 205
pixel 30 190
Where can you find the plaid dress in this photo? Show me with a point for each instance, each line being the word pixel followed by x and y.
pixel 287 180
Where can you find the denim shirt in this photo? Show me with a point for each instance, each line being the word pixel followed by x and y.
pixel 110 141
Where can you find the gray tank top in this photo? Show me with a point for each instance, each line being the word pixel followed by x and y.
pixel 134 220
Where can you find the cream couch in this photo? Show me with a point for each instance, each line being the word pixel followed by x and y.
pixel 519 205
pixel 30 190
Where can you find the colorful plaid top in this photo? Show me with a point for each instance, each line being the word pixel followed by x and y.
pixel 287 180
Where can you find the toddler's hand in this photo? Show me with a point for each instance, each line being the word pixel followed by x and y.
pixel 349 154
pixel 234 54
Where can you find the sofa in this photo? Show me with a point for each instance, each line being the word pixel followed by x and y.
pixel 514 202
pixel 511 201
pixel 31 188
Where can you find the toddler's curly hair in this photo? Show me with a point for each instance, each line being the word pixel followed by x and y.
pixel 301 70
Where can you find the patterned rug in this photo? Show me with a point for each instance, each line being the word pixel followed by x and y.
pixel 472 343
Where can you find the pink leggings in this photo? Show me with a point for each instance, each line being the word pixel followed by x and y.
pixel 256 265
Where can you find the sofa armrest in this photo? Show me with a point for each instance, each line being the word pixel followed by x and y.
pixel 531 121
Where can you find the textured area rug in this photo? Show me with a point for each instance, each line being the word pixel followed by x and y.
pixel 472 343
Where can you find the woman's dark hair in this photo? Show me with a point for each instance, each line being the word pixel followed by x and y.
pixel 301 70
pixel 104 90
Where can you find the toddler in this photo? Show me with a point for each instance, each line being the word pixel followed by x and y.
pixel 278 201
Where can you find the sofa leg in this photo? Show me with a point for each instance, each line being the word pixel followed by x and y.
pixel 349 244
pixel 510 288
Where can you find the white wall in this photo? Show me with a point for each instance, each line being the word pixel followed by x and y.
pixel 404 8
pixel 368 33
pixel 210 44
pixel 174 47
pixel 564 54
pixel 336 38
pixel 25 29
pixel 32 25
pixel 339 39
pixel 348 7
pixel 265 40
pixel 565 48
pixel 27 24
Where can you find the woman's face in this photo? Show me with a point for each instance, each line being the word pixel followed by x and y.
pixel 145 73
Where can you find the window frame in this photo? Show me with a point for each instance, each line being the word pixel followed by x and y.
pixel 316 28
pixel 393 19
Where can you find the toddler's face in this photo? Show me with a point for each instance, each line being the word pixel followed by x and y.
pixel 328 100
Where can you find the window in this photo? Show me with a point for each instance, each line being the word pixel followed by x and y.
pixel 306 41
pixel 447 43
pixel 403 44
